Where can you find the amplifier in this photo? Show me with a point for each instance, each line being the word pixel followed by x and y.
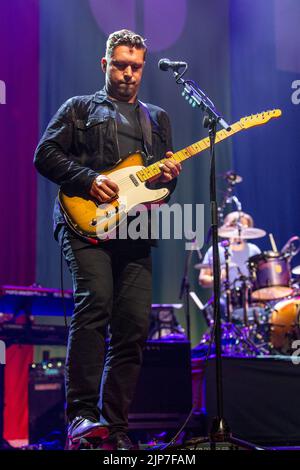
pixel 163 394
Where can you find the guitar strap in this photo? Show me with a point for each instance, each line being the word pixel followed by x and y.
pixel 146 126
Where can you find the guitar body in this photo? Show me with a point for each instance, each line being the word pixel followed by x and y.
pixel 98 221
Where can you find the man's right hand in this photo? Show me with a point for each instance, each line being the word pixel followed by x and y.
pixel 206 278
pixel 104 189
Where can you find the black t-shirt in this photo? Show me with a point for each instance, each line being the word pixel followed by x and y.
pixel 129 130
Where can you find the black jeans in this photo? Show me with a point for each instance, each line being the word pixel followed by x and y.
pixel 112 286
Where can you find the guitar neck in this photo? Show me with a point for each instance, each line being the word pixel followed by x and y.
pixel 152 170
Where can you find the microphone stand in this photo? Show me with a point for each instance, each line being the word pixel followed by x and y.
pixel 185 291
pixel 220 431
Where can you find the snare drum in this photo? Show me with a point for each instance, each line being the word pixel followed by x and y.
pixel 285 324
pixel 270 276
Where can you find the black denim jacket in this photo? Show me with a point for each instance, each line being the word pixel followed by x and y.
pixel 81 140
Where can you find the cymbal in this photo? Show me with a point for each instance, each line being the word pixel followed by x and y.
pixel 296 270
pixel 243 233
pixel 232 177
pixel 203 266
pixel 210 266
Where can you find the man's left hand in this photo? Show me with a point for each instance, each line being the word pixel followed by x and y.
pixel 170 169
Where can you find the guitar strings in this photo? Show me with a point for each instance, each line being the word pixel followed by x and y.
pixel 221 135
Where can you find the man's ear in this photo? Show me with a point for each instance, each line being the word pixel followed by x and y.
pixel 103 64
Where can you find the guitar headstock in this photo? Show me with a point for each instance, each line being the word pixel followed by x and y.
pixel 260 118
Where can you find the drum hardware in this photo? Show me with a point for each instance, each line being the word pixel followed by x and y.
pixel 245 292
pixel 234 342
pixel 238 341
pixel 232 179
pixel 253 336
pixel 238 232
pixel 242 280
pixel 252 329
pixel 226 282
pixel 291 249
pixel 242 339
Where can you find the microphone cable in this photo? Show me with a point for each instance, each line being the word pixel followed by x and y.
pixel 62 291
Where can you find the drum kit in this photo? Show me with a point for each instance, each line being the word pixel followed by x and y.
pixel 261 310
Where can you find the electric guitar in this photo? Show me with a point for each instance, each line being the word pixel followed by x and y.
pixel 96 221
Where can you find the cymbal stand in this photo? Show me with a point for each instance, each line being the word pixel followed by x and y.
pixel 226 245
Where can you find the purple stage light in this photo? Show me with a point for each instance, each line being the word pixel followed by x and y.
pixel 162 22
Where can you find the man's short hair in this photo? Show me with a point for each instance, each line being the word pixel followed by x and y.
pixel 124 37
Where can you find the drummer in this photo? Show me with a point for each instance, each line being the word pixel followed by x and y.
pixel 239 250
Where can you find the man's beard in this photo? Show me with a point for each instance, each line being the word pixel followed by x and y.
pixel 122 90
pixel 126 89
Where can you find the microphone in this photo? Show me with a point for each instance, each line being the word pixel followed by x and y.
pixel 166 64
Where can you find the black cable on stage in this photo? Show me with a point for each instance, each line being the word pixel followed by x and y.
pixel 62 282
pixel 173 440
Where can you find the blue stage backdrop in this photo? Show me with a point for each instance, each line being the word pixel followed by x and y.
pixel 242 53
pixel 265 64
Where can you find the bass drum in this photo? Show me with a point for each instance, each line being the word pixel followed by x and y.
pixel 270 276
pixel 284 322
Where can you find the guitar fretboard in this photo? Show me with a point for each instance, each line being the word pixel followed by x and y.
pixel 152 170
